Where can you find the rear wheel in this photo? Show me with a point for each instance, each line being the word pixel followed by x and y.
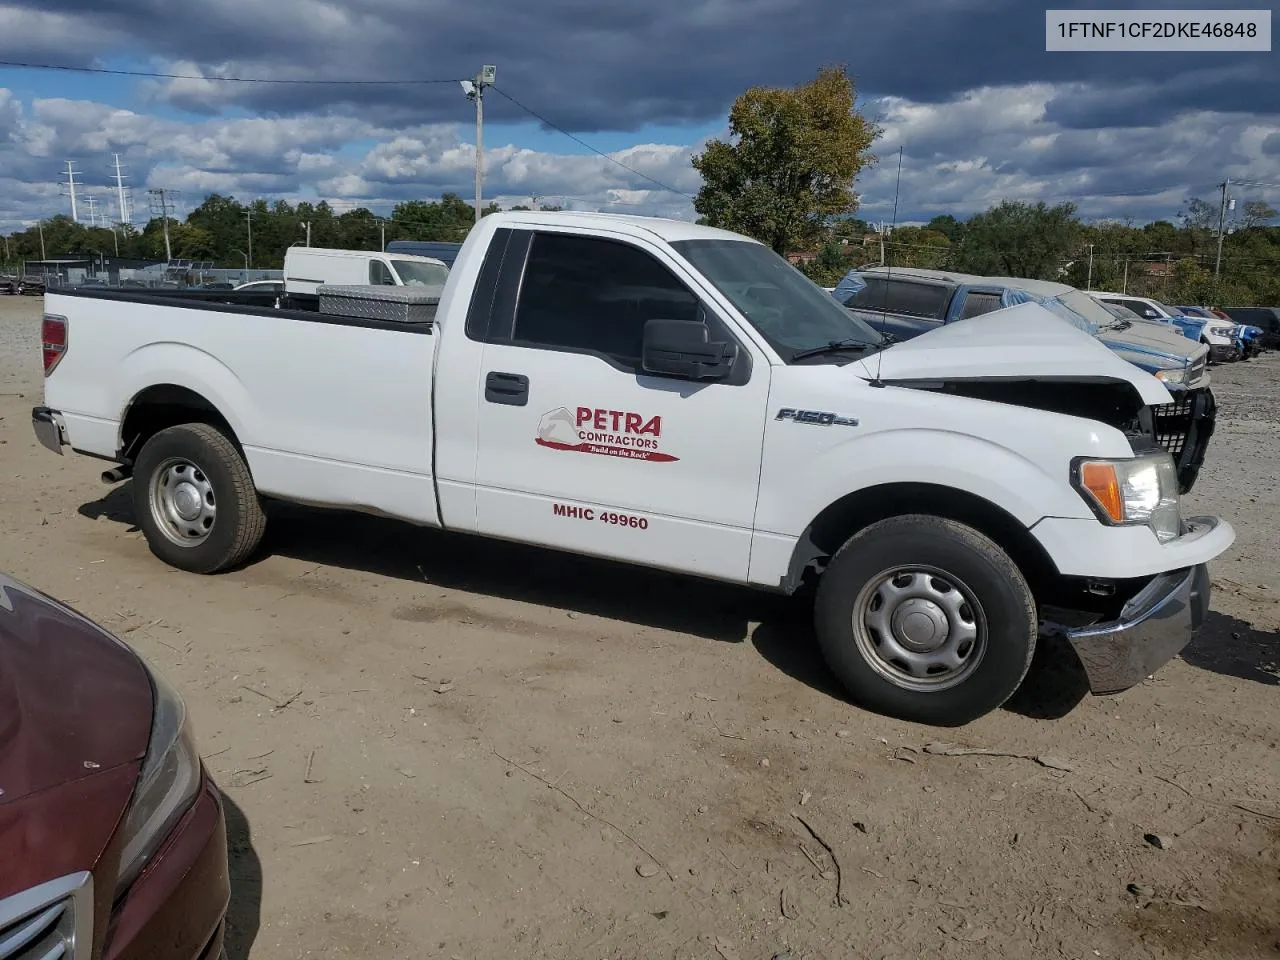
pixel 195 501
pixel 926 619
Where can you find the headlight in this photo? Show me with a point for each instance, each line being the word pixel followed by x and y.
pixel 1143 490
pixel 1178 376
pixel 167 783
pixel 1222 331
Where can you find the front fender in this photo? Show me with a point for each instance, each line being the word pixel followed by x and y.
pixel 183 365
pixel 979 467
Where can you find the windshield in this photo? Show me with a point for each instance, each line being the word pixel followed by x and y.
pixel 1167 310
pixel 415 274
pixel 792 312
pixel 1119 312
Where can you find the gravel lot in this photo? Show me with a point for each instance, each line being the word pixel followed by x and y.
pixel 434 746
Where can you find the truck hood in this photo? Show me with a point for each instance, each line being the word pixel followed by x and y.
pixel 74 701
pixel 1024 342
pixel 1146 336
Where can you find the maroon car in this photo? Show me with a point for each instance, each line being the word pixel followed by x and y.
pixel 112 839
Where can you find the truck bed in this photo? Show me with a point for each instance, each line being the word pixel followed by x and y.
pixel 279 372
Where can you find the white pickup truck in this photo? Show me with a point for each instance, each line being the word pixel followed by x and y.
pixel 679 397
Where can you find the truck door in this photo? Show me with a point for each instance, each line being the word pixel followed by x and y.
pixel 578 448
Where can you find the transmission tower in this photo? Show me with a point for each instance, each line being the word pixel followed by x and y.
pixel 123 200
pixel 160 208
pixel 92 202
pixel 71 188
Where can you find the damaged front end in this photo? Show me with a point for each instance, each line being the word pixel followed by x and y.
pixel 1183 427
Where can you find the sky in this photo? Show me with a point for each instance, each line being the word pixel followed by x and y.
pixel 964 87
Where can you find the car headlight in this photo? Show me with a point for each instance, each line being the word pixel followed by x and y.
pixel 1143 490
pixel 1178 376
pixel 1222 331
pixel 167 783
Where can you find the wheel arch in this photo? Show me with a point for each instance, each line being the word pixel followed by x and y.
pixel 839 521
pixel 165 405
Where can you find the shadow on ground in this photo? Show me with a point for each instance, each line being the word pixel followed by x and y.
pixel 783 636
pixel 1233 648
pixel 244 914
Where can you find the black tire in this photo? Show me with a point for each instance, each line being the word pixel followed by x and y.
pixel 992 602
pixel 204 459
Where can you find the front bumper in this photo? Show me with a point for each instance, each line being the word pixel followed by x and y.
pixel 177 907
pixel 49 428
pixel 1223 353
pixel 1151 630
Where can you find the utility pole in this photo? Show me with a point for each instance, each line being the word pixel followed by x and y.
pixel 71 188
pixel 1222 228
pixel 306 225
pixel 1088 284
pixel 120 195
pixel 248 219
pixel 1124 284
pixel 382 226
pixel 474 89
pixel 40 226
pixel 164 220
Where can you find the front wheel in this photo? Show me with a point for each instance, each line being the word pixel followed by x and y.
pixel 926 619
pixel 193 497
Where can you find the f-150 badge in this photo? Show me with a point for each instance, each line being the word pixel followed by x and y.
pixel 819 418
pixel 608 433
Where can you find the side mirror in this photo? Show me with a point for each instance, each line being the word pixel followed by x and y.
pixel 684 349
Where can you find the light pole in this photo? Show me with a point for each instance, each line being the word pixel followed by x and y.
pixel 306 225
pixel 248 219
pixel 1222 223
pixel 246 262
pixel 1088 284
pixel 474 89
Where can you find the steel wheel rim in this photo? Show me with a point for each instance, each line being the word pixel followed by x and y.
pixel 183 504
pixel 920 628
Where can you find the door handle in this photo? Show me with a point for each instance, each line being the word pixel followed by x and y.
pixel 511 389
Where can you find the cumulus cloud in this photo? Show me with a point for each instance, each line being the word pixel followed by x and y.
pixel 983 113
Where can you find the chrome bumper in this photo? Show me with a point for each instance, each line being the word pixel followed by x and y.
pixel 49 429
pixel 1152 629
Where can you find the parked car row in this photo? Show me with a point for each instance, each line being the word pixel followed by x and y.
pixel 30 286
pixel 1226 339
pixel 906 302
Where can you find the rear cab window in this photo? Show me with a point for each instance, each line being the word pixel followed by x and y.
pixel 910 298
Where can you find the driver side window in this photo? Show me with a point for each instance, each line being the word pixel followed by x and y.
pixel 591 295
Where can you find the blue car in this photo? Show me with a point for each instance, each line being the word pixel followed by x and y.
pixel 1248 338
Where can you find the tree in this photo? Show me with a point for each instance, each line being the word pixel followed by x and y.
pixel 828 266
pixel 917 247
pixel 792 162
pixel 1018 239
pixel 1257 213
pixel 948 226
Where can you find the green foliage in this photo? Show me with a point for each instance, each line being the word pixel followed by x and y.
pixel 1019 240
pixel 792 163
pixel 918 247
pixel 828 266
pixel 218 230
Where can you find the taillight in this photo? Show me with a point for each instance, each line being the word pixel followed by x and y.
pixel 53 334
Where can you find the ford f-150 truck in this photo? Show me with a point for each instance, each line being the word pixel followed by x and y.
pixel 676 396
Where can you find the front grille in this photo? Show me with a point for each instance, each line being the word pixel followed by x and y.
pixel 1184 428
pixel 52 921
pixel 1196 371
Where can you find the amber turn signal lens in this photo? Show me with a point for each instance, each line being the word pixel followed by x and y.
pixel 1101 481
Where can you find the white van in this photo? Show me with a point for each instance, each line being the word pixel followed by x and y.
pixel 306 268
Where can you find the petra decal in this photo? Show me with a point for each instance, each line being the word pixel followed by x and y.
pixel 607 433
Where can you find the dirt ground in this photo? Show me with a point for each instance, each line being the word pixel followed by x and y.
pixel 439 747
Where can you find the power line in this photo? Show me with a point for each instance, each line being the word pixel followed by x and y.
pixel 183 76
pixel 576 139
